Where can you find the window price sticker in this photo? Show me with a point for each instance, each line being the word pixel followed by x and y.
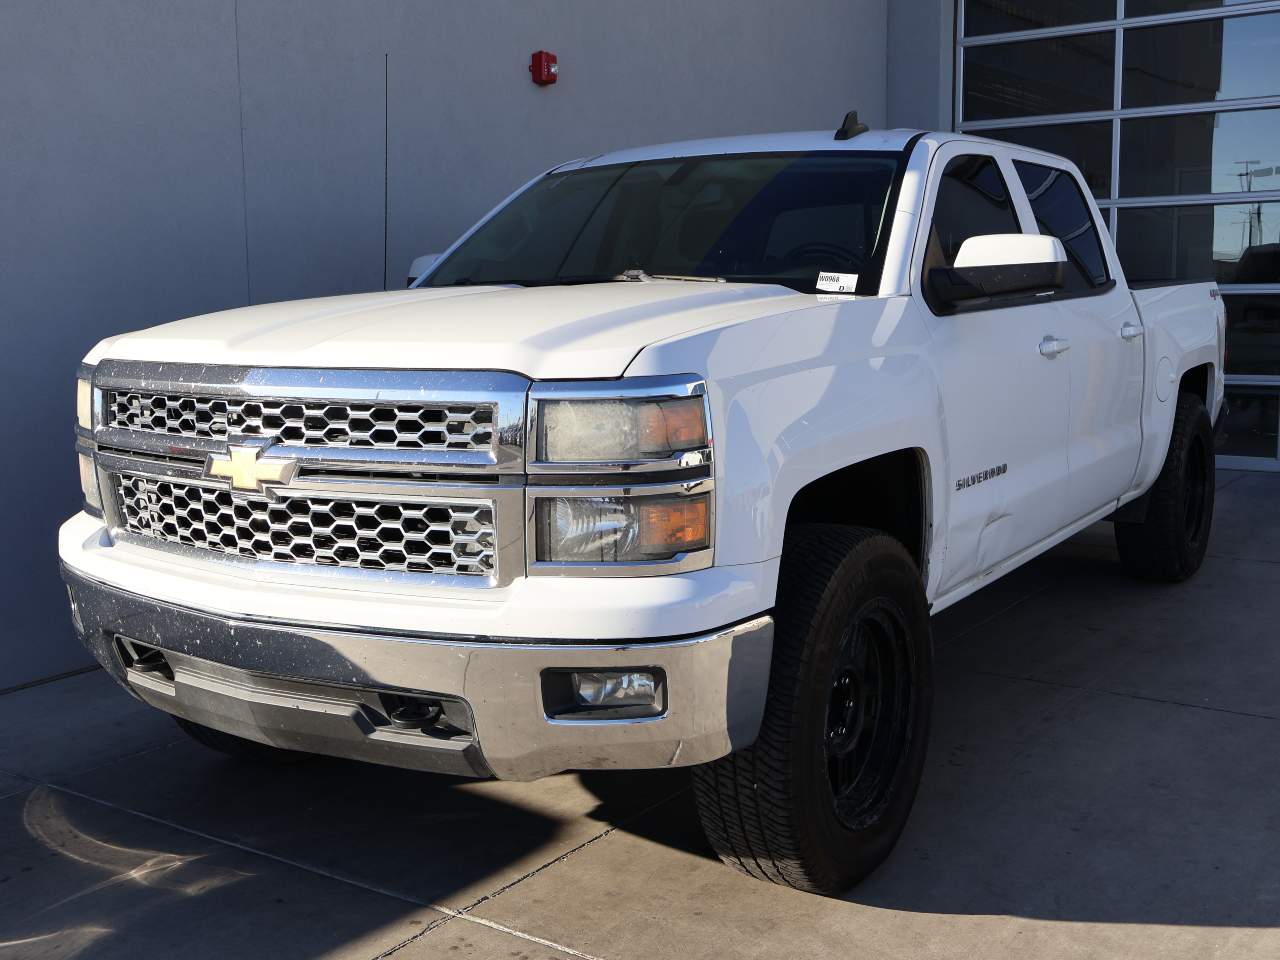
pixel 838 282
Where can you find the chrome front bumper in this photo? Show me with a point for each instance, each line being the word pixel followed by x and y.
pixel 324 690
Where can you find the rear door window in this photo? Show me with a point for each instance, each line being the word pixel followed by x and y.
pixel 1061 211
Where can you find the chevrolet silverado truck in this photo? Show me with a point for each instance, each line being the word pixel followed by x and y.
pixel 668 461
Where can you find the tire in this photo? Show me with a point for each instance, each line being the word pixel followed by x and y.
pixel 237 747
pixel 1170 543
pixel 851 689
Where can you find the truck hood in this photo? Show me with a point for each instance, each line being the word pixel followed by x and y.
pixel 546 333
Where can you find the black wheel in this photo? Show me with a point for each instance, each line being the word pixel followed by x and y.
pixel 1170 543
pixel 235 746
pixel 818 801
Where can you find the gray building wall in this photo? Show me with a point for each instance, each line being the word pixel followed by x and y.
pixel 163 158
pixel 920 81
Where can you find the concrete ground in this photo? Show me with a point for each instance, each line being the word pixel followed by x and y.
pixel 1102 782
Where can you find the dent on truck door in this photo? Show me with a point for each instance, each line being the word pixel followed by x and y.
pixel 1102 325
pixel 1004 400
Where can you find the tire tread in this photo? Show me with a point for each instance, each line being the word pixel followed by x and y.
pixel 747 801
pixel 1152 550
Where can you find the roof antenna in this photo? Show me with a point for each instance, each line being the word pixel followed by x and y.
pixel 851 127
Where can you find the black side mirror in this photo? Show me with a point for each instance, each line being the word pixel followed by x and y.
pixel 951 286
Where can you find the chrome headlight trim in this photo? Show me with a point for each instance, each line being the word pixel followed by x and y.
pixel 88 415
pixel 672 387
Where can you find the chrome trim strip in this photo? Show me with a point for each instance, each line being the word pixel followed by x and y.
pixel 505 390
pixel 680 563
pixel 682 461
pixel 676 385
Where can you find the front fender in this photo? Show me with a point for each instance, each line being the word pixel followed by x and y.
pixel 799 395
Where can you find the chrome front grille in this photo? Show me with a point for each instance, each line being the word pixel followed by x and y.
pixel 411 536
pixel 310 423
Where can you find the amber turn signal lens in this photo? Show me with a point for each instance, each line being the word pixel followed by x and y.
pixel 676 525
pixel 673 425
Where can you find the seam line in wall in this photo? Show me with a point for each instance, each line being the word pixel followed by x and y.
pixel 386 162
pixel 244 176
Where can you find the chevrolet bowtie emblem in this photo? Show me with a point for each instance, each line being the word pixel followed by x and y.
pixel 248 469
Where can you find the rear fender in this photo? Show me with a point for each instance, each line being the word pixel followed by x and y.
pixel 1184 328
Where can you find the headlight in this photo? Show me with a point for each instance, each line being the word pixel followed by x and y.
pixel 621 430
pixel 586 521
pixel 84 403
pixel 84 422
pixel 89 485
pixel 623 529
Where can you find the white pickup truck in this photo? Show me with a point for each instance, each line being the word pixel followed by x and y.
pixel 667 462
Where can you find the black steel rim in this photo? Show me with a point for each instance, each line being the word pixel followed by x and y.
pixel 1195 491
pixel 868 713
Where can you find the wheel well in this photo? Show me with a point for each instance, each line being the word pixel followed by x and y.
pixel 887 492
pixel 1197 380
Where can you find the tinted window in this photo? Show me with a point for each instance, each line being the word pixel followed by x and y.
pixel 1034 77
pixel 767 218
pixel 1253 333
pixel 1061 211
pixel 1001 16
pixel 1147 8
pixel 1252 420
pixel 1087 145
pixel 973 201
pixel 1200 153
pixel 1230 243
pixel 1202 60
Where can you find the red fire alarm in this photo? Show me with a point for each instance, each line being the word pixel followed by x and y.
pixel 544 68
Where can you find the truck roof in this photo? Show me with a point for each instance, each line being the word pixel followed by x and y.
pixel 802 141
pixel 873 140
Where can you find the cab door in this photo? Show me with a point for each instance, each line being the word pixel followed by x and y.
pixel 1003 398
pixel 1103 331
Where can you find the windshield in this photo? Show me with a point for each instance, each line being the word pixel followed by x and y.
pixel 764 218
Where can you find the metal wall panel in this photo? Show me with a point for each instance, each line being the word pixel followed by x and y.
pixel 120 206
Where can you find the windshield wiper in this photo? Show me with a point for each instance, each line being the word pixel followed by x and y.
pixel 639 276
pixel 629 276
pixel 574 279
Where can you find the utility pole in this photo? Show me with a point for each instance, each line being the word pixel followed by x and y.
pixel 1254 215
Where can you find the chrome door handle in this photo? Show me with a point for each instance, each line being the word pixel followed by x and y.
pixel 1052 346
pixel 1131 331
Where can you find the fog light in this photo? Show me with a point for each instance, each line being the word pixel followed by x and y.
pixel 615 689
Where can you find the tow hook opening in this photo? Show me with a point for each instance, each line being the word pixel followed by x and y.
pixel 143 658
pixel 431 715
pixel 413 713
